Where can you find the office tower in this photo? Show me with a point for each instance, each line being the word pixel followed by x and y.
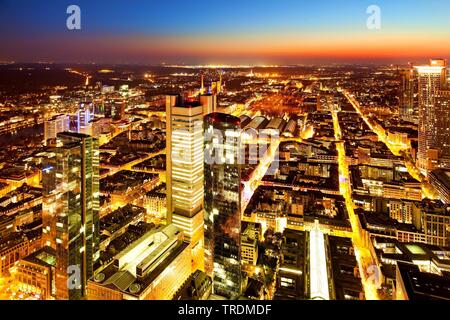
pixel 85 115
pixel 118 110
pixel 53 126
pixel 202 85
pixel 209 103
pixel 215 87
pixel 184 145
pixel 408 102
pixel 50 198
pixel 443 125
pixel 448 78
pixel 433 129
pixel 220 84
pixel 71 211
pixel 223 203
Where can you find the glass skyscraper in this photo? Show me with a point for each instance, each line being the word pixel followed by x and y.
pixel 408 102
pixel 71 211
pixel 222 224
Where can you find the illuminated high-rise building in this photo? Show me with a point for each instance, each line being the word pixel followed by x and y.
pixel 80 122
pixel 209 103
pixel 50 196
pixel 71 211
pixel 118 110
pixel 433 113
pixel 202 85
pixel 184 130
pixel 223 203
pixel 408 102
pixel 217 86
pixel 443 123
pixel 85 115
pixel 53 126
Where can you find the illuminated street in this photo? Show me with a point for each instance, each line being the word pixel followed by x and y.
pixel 259 173
pixel 399 150
pixel 362 254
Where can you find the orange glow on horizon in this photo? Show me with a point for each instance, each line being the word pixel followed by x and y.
pixel 356 47
pixel 268 47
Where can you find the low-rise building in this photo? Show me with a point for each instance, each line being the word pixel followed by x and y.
pixel 153 267
pixel 16 246
pixel 35 273
pixel 412 284
pixel 249 246
pixel 197 287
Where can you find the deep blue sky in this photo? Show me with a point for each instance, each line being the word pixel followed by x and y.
pixel 36 30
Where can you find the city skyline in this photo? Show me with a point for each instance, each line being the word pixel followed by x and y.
pixel 232 152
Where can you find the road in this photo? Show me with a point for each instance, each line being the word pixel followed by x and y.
pixel 362 253
pixel 398 150
pixel 259 173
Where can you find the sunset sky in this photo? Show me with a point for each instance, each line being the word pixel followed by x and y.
pixel 227 31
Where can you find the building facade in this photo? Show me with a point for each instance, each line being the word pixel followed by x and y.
pixel 223 203
pixel 53 126
pixel 408 100
pixel 71 211
pixel 185 171
pixel 440 180
pixel 434 131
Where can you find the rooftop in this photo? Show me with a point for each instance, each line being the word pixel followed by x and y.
pixel 443 176
pixel 125 179
pixel 134 268
pixel 120 218
pixel 423 286
pixel 45 256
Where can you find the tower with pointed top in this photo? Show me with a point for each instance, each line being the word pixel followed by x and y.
pixel 202 88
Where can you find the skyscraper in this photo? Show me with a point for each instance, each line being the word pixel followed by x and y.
pixel 223 203
pixel 408 102
pixel 209 103
pixel 85 114
pixel 184 130
pixel 71 211
pixel 433 127
pixel 53 126
pixel 118 110
pixel 443 125
pixel 202 85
